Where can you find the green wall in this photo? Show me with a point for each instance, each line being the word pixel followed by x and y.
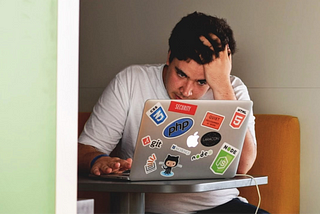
pixel 28 78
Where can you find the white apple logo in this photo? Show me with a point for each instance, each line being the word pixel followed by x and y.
pixel 192 140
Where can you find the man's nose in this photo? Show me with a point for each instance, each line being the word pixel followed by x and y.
pixel 187 89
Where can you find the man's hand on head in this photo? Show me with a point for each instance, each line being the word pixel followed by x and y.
pixel 107 165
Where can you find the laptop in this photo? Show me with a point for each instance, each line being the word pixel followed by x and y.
pixel 188 139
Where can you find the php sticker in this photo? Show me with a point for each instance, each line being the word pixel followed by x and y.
pixel 212 120
pixel 183 108
pixel 224 158
pixel 238 117
pixel 157 114
pixel 178 127
pixel 151 165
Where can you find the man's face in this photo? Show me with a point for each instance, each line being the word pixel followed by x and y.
pixel 184 79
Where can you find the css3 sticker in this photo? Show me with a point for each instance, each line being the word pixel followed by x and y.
pixel 157 114
pixel 224 159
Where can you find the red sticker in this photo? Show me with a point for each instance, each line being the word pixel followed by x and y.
pixel 183 108
pixel 146 140
pixel 212 120
pixel 238 117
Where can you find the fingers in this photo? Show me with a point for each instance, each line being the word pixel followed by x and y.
pixel 109 165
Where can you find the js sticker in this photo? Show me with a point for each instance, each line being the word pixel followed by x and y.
pixel 224 159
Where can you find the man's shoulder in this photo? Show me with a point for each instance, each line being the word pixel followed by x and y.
pixel 140 71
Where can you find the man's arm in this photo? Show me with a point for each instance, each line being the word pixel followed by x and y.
pixel 218 77
pixel 103 165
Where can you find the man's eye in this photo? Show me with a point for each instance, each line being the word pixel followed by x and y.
pixel 181 74
pixel 202 82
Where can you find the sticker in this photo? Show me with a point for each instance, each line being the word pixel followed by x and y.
pixel 146 140
pixel 224 159
pixel 192 140
pixel 183 108
pixel 212 120
pixel 238 117
pixel 178 127
pixel 174 147
pixel 156 144
pixel 169 163
pixel 210 139
pixel 203 154
pixel 151 165
pixel 157 114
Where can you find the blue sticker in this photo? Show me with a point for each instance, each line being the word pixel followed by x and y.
pixel 178 127
pixel 157 114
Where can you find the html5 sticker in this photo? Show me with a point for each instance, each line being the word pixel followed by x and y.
pixel 183 108
pixel 212 120
pixel 238 117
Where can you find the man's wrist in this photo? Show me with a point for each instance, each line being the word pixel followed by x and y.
pixel 96 158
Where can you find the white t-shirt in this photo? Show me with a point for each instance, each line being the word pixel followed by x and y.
pixel 115 122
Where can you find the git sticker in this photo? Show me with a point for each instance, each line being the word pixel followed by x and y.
pixel 151 165
pixel 152 143
pixel 224 158
pixel 157 114
pixel 212 120
pixel 238 117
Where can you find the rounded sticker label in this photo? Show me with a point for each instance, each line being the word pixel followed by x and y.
pixel 178 127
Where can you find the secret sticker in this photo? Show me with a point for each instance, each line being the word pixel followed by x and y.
pixel 224 158
pixel 157 114
pixel 212 120
pixel 239 116
pixel 183 108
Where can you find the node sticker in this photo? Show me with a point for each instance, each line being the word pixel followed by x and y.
pixel 202 154
pixel 212 120
pixel 224 159
pixel 183 108
pixel 157 114
pixel 151 165
pixel 238 117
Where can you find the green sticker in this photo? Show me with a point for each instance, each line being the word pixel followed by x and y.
pixel 224 158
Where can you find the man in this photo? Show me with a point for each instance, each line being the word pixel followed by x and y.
pixel 198 66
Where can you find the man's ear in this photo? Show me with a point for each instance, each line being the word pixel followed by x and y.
pixel 168 58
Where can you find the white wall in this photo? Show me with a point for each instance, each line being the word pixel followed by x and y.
pixel 277 57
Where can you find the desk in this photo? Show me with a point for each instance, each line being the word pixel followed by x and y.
pixel 129 197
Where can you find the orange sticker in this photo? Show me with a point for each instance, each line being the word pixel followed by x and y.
pixel 212 120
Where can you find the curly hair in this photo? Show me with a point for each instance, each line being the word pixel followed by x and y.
pixel 185 43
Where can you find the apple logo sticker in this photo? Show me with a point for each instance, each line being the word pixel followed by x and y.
pixel 192 140
pixel 210 139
